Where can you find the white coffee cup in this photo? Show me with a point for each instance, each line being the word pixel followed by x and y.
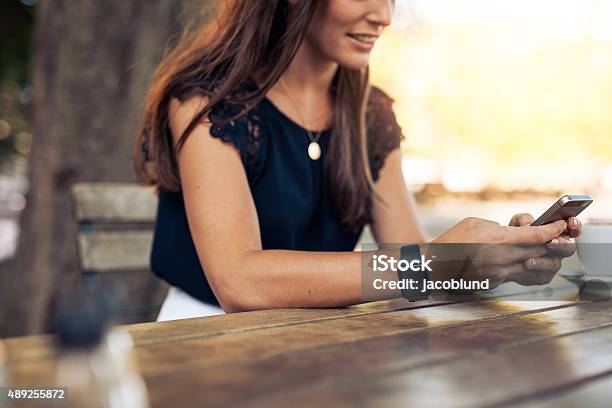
pixel 595 247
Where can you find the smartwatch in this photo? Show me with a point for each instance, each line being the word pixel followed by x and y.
pixel 411 253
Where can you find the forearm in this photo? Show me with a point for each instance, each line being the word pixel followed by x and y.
pixel 271 279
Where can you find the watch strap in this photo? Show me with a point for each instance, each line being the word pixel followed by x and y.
pixel 411 253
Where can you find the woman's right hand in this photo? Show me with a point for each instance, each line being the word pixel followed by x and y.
pixel 477 249
pixel 481 231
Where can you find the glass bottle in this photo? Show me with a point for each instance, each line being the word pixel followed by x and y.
pixel 96 362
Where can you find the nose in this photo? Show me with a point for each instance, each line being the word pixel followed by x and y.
pixel 382 12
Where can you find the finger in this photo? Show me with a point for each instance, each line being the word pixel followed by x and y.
pixel 530 278
pixel 533 235
pixel 521 219
pixel 476 220
pixel 574 227
pixel 543 264
pixel 501 274
pixel 561 247
pixel 511 271
pixel 514 269
pixel 519 253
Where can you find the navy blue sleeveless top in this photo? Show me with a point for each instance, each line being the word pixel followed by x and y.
pixel 291 193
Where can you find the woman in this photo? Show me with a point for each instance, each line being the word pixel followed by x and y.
pixel 271 153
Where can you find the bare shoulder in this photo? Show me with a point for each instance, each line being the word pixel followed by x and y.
pixel 181 113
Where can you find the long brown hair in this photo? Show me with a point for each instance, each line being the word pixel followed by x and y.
pixel 255 39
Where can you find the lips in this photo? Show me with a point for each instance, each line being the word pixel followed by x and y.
pixel 368 39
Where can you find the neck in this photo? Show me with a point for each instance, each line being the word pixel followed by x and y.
pixel 310 74
pixel 303 92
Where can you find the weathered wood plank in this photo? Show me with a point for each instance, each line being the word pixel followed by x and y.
pixel 595 393
pixel 167 358
pixel 390 346
pixel 546 354
pixel 33 361
pixel 190 356
pixel 187 329
pixel 340 367
pixel 313 370
pixel 144 334
pixel 104 251
pixel 114 202
pixel 3 364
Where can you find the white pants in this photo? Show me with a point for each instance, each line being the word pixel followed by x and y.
pixel 180 305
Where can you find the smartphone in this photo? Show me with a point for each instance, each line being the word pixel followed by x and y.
pixel 567 206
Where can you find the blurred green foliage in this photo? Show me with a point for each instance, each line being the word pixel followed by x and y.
pixel 16 28
pixel 16 23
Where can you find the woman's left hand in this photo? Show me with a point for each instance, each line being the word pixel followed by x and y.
pixel 543 269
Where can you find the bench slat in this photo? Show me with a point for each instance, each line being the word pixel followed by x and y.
pixel 107 251
pixel 114 202
pixel 114 243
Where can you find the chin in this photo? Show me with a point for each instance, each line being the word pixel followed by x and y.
pixel 356 62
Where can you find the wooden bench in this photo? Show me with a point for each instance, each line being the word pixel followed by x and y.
pixel 114 242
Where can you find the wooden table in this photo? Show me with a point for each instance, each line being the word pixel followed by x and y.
pixel 385 354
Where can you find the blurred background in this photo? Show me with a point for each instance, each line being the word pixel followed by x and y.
pixel 506 105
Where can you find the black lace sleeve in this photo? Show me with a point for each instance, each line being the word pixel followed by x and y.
pixel 233 123
pixel 383 132
pixel 243 132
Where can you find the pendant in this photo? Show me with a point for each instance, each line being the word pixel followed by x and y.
pixel 314 151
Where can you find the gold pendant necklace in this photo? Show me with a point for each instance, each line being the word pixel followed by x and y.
pixel 314 149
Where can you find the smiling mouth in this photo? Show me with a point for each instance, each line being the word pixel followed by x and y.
pixel 364 38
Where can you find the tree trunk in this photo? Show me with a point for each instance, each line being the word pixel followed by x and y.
pixel 92 64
